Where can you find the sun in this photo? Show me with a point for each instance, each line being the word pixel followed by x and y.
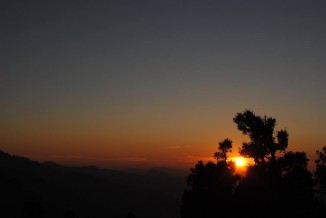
pixel 240 161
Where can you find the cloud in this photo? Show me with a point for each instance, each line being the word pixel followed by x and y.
pixel 177 147
pixel 57 157
pixel 131 159
pixel 134 159
pixel 203 158
pixel 51 156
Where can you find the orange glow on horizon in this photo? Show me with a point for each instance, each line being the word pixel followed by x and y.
pixel 240 162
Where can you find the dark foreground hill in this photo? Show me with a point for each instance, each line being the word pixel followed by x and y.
pixel 32 189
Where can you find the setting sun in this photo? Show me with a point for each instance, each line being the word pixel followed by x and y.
pixel 240 161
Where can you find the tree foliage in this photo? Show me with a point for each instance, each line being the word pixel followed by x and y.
pixel 321 167
pixel 210 185
pixel 261 133
pixel 276 184
pixel 223 148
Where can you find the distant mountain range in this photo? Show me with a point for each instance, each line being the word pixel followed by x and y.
pixel 32 189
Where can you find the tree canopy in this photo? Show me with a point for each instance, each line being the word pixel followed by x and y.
pixel 223 148
pixel 211 184
pixel 261 133
pixel 276 184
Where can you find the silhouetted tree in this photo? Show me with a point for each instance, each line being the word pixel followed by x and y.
pixel 211 185
pixel 285 180
pixel 297 182
pixel 293 162
pixel 276 185
pixel 320 175
pixel 287 190
pixel 224 147
pixel 321 168
pixel 262 142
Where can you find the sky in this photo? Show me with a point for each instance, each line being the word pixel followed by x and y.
pixel 142 83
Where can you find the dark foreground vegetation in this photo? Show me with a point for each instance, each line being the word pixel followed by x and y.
pixel 277 184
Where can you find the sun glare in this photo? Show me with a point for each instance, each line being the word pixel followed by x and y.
pixel 240 161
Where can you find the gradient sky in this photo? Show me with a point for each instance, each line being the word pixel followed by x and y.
pixel 136 83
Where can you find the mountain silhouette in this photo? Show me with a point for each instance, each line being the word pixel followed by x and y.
pixel 33 189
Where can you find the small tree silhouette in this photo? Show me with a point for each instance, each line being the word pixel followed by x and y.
pixel 321 168
pixel 320 175
pixel 297 182
pixel 211 185
pixel 224 147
